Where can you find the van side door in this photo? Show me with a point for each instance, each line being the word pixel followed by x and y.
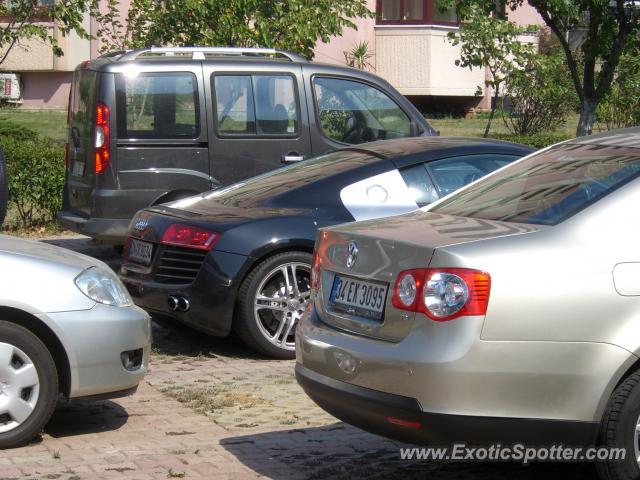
pixel 162 150
pixel 259 118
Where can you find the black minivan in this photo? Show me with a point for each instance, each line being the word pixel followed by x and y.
pixel 155 125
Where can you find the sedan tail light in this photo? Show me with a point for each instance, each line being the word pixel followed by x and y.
pixel 443 293
pixel 189 236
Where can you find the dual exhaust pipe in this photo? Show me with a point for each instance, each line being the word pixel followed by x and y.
pixel 178 304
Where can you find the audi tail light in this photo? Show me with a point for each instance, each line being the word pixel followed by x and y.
pixel 189 236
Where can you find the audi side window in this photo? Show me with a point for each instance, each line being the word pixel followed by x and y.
pixel 419 184
pixel 548 188
pixel 451 174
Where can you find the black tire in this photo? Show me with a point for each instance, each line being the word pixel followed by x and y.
pixel 618 430
pixel 246 323
pixel 4 188
pixel 39 355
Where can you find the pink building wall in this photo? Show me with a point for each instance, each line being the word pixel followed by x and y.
pixel 333 51
pixel 46 90
pixel 51 89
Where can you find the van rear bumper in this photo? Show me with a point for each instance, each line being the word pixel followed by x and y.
pixel 108 230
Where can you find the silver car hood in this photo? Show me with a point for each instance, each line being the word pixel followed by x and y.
pixel 42 251
pixel 38 278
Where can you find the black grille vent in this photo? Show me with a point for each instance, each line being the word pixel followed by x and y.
pixel 179 266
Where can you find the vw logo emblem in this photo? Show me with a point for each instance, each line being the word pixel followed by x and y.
pixel 141 224
pixel 352 258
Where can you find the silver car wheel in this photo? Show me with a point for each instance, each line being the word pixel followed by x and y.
pixel 19 387
pixel 281 298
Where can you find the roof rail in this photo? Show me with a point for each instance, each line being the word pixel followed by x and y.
pixel 200 53
pixel 113 53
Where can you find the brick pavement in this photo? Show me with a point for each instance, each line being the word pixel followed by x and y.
pixel 211 409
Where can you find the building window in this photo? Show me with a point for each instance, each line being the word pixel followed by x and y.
pixel 416 12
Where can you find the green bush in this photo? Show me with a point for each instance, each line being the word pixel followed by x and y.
pixel 17 132
pixel 36 178
pixel 538 140
pixel 621 107
pixel 541 95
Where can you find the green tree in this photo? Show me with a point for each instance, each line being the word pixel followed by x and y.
pixel 488 39
pixel 620 108
pixel 607 27
pixel 295 25
pixel 24 21
pixel 541 95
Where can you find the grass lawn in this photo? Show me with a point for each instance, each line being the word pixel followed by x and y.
pixel 474 127
pixel 54 123
pixel 48 123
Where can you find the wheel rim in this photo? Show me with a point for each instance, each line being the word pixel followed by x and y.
pixel 636 441
pixel 281 298
pixel 19 387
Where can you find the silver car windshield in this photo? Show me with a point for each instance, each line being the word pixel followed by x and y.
pixel 547 188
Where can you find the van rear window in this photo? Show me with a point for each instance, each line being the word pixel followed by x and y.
pixel 83 99
pixel 158 106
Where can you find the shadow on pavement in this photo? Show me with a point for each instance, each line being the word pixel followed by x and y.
pixel 342 452
pixel 170 337
pixel 81 418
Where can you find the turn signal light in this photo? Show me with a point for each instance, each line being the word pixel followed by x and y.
pixel 189 236
pixel 443 293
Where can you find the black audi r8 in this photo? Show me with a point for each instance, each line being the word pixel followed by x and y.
pixel 239 257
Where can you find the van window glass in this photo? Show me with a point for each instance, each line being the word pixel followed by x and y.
pixel 83 100
pixel 275 104
pixel 158 105
pixel 234 104
pixel 261 105
pixel 353 112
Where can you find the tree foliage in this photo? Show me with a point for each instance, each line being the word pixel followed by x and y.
pixel 541 95
pixel 620 108
pixel 24 22
pixel 487 39
pixel 607 27
pixel 295 25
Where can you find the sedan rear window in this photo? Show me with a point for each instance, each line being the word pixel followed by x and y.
pixel 547 188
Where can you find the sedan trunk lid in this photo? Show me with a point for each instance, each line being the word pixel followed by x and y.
pixel 361 256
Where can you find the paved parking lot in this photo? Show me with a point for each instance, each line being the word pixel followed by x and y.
pixel 210 408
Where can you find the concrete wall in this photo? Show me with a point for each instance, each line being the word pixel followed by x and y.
pixel 420 60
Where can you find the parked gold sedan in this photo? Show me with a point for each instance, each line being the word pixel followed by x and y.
pixel 507 312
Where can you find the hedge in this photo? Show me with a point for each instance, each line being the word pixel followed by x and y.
pixel 36 178
pixel 539 140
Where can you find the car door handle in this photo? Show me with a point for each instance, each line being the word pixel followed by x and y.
pixel 292 157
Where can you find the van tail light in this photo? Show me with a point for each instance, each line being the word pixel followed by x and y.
pixel 102 155
pixel 443 293
pixel 189 236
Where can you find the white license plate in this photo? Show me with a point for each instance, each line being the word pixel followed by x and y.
pixel 357 297
pixel 140 252
pixel 78 168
